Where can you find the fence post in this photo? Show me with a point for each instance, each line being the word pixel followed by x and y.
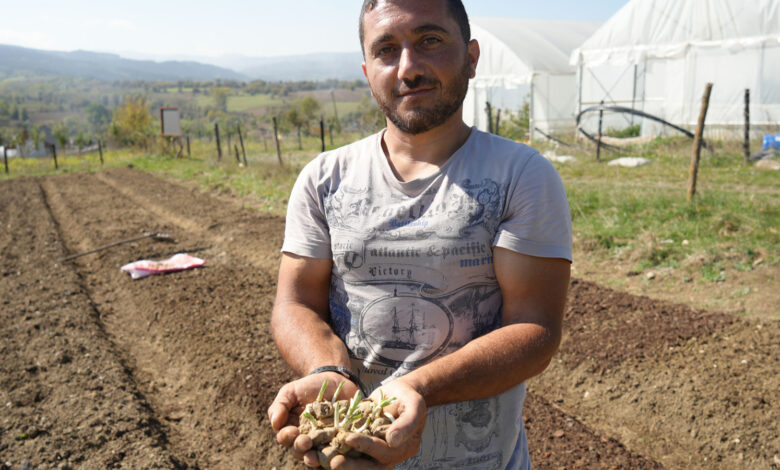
pixel 489 111
pixel 219 147
pixel 601 121
pixel 697 142
pixel 322 134
pixel 54 156
pixel 100 151
pixel 188 147
pixel 747 125
pixel 498 121
pixel 241 140
pixel 5 158
pixel 238 156
pixel 276 138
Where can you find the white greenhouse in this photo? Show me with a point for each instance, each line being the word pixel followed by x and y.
pixel 656 56
pixel 525 60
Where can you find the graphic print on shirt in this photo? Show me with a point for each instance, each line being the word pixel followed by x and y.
pixel 413 276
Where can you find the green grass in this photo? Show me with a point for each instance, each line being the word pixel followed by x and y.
pixel 637 216
pixel 642 216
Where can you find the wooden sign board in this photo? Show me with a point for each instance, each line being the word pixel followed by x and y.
pixel 170 122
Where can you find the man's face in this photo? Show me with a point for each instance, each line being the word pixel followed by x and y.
pixel 416 63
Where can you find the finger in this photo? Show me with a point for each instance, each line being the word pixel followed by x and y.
pixel 302 447
pixel 311 459
pixel 405 426
pixel 279 411
pixel 287 435
pixel 341 462
pixel 369 445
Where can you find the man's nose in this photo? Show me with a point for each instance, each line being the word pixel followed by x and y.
pixel 409 65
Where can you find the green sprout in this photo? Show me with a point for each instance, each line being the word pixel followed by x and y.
pixel 338 390
pixel 311 418
pixel 322 390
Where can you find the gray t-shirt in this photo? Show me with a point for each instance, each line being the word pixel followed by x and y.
pixel 413 274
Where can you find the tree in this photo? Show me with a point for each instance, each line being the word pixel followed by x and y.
pixel 310 108
pixel 35 135
pixel 25 115
pixel 61 134
pixel 15 113
pixel 132 123
pixel 220 95
pixel 98 117
pixel 81 141
pixel 294 117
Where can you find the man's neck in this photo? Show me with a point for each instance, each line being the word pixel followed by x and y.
pixel 417 156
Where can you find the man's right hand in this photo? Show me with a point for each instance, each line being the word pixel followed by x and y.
pixel 289 404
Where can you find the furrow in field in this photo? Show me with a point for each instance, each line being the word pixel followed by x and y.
pixel 57 365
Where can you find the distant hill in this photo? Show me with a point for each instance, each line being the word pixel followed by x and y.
pixel 105 66
pixel 314 66
pixel 317 66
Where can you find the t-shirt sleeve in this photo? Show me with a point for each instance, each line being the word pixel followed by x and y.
pixel 306 230
pixel 537 221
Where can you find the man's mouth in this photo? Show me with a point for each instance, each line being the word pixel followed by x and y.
pixel 413 93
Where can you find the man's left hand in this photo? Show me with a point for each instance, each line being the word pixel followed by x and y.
pixel 402 438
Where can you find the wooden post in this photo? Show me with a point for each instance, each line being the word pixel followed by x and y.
pixel 489 111
pixel 330 133
pixel 100 151
pixel 189 154
pixel 241 140
pixel 219 147
pixel 598 141
pixel 54 156
pixel 322 134
pixel 498 121
pixel 5 158
pixel 697 142
pixel 238 155
pixel 276 139
pixel 747 125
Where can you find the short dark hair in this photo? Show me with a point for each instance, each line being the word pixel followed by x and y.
pixel 455 7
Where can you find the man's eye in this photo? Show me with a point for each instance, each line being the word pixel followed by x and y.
pixel 431 41
pixel 383 51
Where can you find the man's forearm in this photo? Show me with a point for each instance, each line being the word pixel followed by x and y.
pixel 487 366
pixel 305 340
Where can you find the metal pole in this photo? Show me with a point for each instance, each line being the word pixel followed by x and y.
pixel 489 112
pixel 598 142
pixel 747 125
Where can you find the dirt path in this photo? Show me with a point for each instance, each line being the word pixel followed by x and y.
pixel 176 371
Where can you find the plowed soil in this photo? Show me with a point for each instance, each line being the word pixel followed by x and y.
pixel 176 371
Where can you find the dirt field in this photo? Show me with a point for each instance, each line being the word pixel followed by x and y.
pixel 176 371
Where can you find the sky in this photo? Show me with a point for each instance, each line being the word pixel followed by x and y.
pixel 176 29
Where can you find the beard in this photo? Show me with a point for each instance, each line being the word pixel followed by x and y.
pixel 422 119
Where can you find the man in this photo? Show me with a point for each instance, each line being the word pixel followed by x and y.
pixel 431 259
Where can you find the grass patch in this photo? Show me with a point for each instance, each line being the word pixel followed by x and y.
pixel 638 216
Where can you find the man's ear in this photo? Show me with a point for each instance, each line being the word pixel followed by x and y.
pixel 365 74
pixel 473 51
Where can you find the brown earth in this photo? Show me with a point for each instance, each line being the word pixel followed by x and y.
pixel 176 371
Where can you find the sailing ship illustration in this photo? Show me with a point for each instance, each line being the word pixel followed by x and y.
pixel 413 335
